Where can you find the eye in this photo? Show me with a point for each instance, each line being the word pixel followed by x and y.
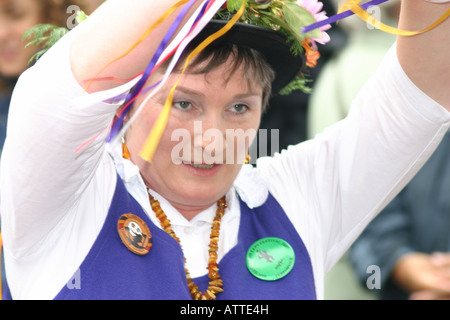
pixel 183 105
pixel 16 12
pixel 239 108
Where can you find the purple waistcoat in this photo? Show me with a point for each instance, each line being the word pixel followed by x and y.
pixel 112 272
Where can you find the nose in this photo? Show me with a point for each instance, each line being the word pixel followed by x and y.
pixel 209 136
pixel 3 30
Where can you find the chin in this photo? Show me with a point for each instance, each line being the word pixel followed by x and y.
pixel 201 193
pixel 9 72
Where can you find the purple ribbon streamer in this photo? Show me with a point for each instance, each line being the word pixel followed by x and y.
pixel 120 120
pixel 340 16
pixel 129 96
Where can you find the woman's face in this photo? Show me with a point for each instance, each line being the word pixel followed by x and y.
pixel 212 123
pixel 16 16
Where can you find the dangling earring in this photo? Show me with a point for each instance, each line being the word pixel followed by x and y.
pixel 125 151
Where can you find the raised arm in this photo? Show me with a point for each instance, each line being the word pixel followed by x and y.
pixel 426 57
pixel 43 177
pixel 111 31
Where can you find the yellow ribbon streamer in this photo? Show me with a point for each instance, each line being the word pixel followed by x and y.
pixel 152 142
pixel 354 6
pixel 143 37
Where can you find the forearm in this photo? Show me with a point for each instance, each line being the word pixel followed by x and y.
pixel 113 30
pixel 44 173
pixel 426 57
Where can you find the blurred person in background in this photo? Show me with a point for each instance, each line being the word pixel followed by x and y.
pixel 17 16
pixel 410 239
pixel 90 6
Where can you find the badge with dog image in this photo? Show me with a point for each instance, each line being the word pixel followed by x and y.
pixel 134 234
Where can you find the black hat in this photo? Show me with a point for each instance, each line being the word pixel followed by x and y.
pixel 272 44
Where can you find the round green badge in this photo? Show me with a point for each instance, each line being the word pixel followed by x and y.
pixel 270 259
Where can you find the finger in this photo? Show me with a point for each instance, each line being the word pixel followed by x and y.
pixel 440 259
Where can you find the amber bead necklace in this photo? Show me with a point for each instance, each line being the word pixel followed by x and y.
pixel 216 283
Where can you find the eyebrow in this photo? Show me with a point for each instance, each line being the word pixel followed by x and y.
pixel 200 94
pixel 189 91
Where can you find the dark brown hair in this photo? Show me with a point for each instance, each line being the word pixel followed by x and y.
pixel 55 11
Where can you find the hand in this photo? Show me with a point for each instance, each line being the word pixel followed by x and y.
pixel 424 276
pixel 430 75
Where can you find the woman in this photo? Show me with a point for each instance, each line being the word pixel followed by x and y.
pixel 79 224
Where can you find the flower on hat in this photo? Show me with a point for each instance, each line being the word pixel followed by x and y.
pixel 311 54
pixel 315 8
pixel 287 17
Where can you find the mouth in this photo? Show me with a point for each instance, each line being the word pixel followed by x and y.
pixel 201 166
pixel 201 169
pixel 8 54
